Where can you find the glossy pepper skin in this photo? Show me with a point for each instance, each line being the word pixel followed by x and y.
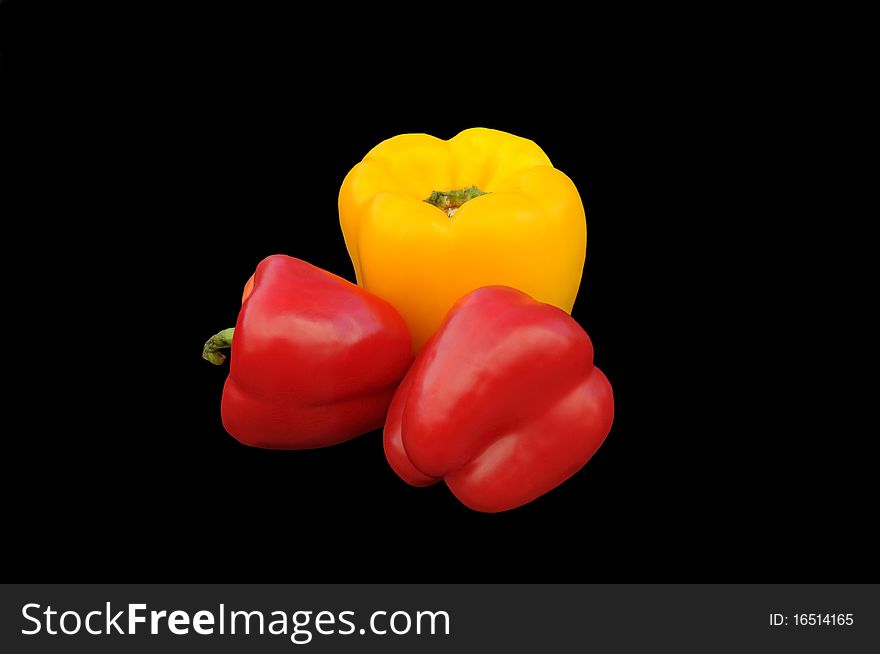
pixel 523 227
pixel 503 403
pixel 315 359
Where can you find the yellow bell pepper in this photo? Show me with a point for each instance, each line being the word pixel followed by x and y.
pixel 426 221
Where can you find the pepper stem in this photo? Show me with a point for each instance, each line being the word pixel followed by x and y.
pixel 211 351
pixel 450 201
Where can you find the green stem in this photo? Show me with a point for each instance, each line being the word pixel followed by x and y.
pixel 217 342
pixel 450 201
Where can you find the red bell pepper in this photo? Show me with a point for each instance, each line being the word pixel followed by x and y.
pixel 315 359
pixel 503 403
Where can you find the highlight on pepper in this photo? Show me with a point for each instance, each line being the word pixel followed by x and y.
pixel 426 221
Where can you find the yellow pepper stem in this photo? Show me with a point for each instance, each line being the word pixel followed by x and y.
pixel 450 201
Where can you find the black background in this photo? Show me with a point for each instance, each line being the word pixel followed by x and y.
pixel 161 156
